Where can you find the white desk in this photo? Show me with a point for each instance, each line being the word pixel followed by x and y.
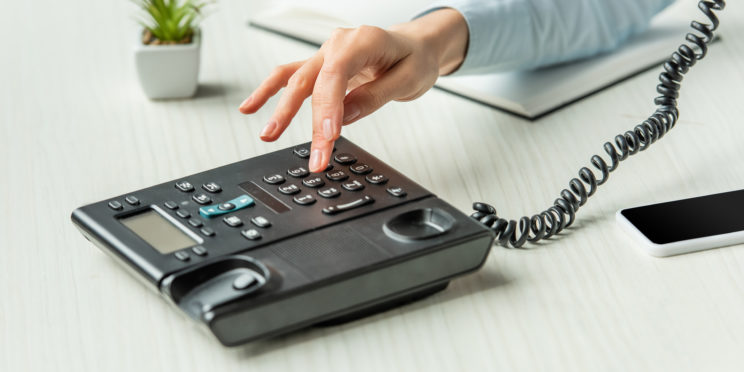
pixel 76 128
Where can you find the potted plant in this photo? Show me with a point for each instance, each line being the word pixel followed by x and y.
pixel 167 53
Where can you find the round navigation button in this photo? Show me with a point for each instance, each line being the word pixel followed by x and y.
pixel 226 206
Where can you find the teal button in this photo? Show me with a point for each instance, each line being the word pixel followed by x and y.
pixel 238 203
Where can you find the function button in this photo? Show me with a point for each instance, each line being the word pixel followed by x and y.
pixel 274 179
pixel 185 186
pixel 183 213
pixel 333 209
pixel 302 152
pixel 240 202
pixel 199 250
pixel 201 198
pixel 290 189
pixel 396 191
pixel 338 175
pixel 251 234
pixel 345 158
pixel 115 205
pixel 329 192
pixel 298 172
pixel 182 255
pixel 260 221
pixel 132 200
pixel 233 221
pixel 207 231
pixel 171 205
pixel 244 281
pixel 360 168
pixel 195 223
pixel 306 199
pixel 353 185
pixel 376 178
pixel 226 206
pixel 315 181
pixel 211 187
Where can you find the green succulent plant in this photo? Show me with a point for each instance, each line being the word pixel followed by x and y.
pixel 170 21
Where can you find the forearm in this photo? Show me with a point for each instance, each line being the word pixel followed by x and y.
pixel 524 34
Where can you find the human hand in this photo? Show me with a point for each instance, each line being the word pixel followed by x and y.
pixel 373 65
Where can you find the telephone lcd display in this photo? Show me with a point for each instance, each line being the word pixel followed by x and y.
pixel 160 233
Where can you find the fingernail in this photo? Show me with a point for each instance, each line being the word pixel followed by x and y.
pixel 247 101
pixel 268 129
pixel 351 112
pixel 328 131
pixel 316 158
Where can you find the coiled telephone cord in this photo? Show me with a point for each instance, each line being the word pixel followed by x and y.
pixel 510 233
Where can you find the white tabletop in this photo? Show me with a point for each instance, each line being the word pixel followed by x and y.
pixel 76 128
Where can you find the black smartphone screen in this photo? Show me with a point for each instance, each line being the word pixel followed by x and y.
pixel 689 218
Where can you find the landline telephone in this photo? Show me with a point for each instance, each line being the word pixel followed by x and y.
pixel 262 247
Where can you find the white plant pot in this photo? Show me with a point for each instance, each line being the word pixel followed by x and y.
pixel 168 71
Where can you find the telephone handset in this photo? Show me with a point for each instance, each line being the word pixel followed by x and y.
pixel 543 225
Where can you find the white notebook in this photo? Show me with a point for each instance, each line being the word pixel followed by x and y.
pixel 529 94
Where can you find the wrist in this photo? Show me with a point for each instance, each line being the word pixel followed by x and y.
pixel 444 32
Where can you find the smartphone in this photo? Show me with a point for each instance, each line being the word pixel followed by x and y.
pixel 687 225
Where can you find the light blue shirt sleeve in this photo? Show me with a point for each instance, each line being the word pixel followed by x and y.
pixel 526 34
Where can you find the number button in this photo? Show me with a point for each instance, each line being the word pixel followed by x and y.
pixel 298 172
pixel 290 189
pixel 338 175
pixel 313 182
pixel 377 178
pixel 360 168
pixel 345 158
pixel 353 185
pixel 329 192
pixel 274 179
pixel 306 199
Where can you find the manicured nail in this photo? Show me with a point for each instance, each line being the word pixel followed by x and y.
pixel 316 158
pixel 351 112
pixel 246 102
pixel 268 130
pixel 328 131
